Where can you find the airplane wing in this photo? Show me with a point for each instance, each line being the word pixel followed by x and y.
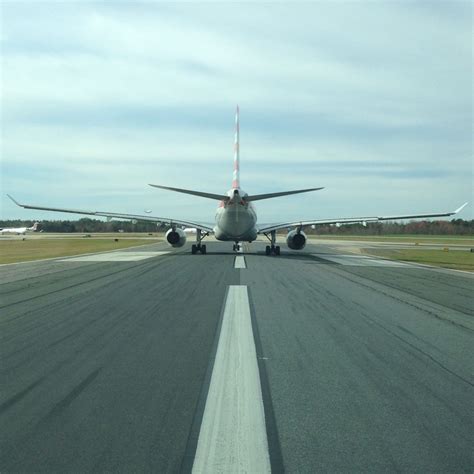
pixel 266 228
pixel 112 215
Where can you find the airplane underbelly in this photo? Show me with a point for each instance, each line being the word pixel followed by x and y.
pixel 236 224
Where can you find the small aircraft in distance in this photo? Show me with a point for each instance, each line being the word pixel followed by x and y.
pixel 236 219
pixel 19 230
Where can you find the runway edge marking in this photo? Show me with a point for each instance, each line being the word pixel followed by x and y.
pixel 233 436
pixel 65 257
pixel 123 256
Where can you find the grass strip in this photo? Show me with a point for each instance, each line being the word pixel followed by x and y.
pixel 455 259
pixel 414 239
pixel 13 251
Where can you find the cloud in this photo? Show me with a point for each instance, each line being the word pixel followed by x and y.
pixel 371 99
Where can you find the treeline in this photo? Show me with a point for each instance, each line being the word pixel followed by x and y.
pixel 85 225
pixel 453 227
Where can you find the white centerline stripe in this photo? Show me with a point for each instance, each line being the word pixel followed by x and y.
pixel 239 262
pixel 233 436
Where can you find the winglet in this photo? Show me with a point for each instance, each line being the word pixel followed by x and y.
pixel 459 209
pixel 15 201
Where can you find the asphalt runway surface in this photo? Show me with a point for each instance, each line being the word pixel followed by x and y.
pixel 155 360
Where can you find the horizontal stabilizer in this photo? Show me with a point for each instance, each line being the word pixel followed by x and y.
pixel 218 197
pixel 259 197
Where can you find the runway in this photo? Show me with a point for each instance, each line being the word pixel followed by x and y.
pixel 155 360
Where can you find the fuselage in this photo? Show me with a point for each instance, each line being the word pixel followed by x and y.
pixel 19 230
pixel 236 218
pixel 13 230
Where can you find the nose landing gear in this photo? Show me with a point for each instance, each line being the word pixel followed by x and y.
pixel 236 247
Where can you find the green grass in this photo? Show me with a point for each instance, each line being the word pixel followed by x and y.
pixel 413 238
pixel 15 250
pixel 456 259
pixel 99 235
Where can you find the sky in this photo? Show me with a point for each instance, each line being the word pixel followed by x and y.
pixel 370 99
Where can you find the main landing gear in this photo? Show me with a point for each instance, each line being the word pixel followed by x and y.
pixel 198 247
pixel 272 249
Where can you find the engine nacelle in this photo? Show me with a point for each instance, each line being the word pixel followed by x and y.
pixel 296 240
pixel 176 238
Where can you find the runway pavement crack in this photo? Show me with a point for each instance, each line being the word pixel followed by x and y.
pixel 17 397
pixel 425 310
pixel 72 395
pixel 78 284
pixel 421 351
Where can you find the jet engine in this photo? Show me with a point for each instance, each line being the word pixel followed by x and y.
pixel 176 238
pixel 296 240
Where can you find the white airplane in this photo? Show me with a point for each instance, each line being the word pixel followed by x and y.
pixel 236 219
pixel 19 230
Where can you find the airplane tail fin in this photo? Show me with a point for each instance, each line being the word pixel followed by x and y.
pixel 236 175
pixel 34 227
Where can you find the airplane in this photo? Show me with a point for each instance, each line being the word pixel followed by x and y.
pixel 19 230
pixel 236 218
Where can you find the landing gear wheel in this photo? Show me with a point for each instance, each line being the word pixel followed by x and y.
pixel 203 249
pixel 193 249
pixel 272 250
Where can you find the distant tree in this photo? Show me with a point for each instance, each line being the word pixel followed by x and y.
pixel 88 225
